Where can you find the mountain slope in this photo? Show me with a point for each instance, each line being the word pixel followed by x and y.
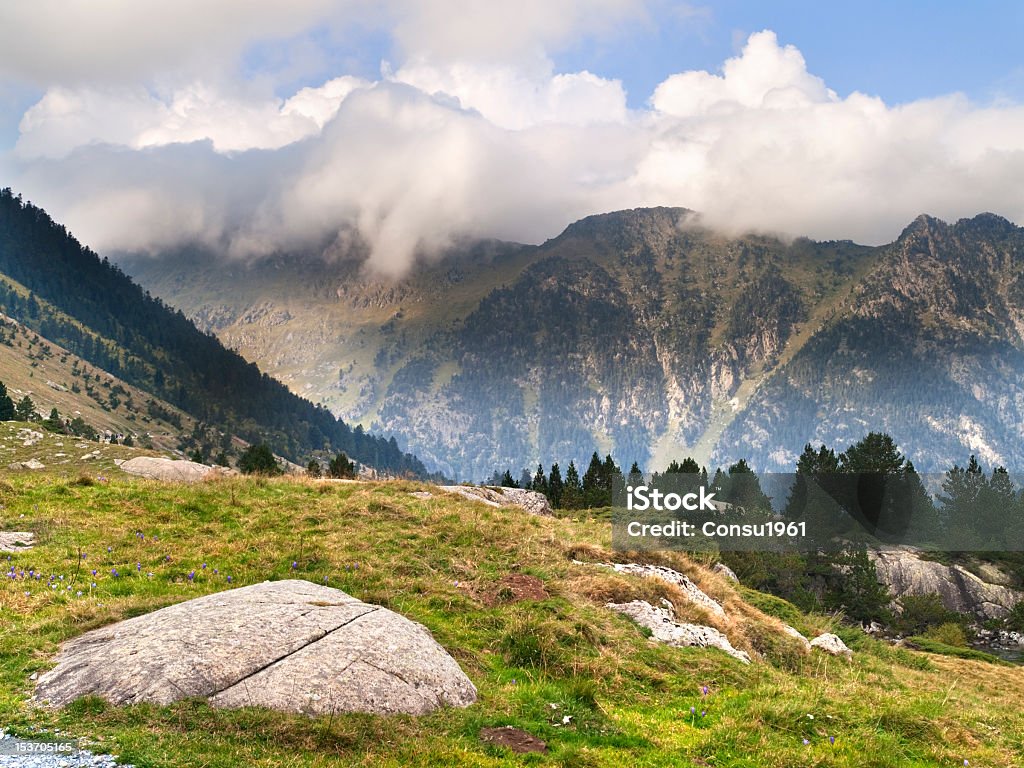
pixel 94 310
pixel 637 332
pixel 52 377
pixel 928 346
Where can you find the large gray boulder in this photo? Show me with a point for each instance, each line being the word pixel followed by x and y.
pixel 170 470
pixel 286 645
pixel 906 573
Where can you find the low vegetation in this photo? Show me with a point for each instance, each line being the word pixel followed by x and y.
pixel 558 665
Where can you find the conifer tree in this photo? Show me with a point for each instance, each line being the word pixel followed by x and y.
pixel 6 404
pixel 540 481
pixel 25 410
pixel 555 486
pixel 572 496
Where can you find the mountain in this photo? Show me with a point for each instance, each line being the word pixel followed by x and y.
pixel 72 298
pixel 644 334
pixel 52 377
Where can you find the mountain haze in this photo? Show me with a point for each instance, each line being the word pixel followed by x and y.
pixel 644 334
pixel 67 295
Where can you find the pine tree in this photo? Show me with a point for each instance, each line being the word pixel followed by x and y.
pixel 540 481
pixel 743 488
pixel 507 480
pixel 259 460
pixel 341 467
pixel 53 422
pixel 25 410
pixel 555 486
pixel 572 496
pixel 7 411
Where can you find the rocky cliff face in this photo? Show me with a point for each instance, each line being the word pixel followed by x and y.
pixel 905 572
pixel 641 334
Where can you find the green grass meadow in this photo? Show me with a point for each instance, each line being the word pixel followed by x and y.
pixel 441 561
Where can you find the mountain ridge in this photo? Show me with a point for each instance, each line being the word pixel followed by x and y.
pixel 642 333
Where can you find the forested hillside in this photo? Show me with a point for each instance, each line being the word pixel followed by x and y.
pixel 68 294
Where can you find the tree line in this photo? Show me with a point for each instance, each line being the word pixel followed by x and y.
pixel 90 307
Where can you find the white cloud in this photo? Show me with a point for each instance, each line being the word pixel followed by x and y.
pixel 510 99
pixel 765 76
pixel 500 145
pixel 76 42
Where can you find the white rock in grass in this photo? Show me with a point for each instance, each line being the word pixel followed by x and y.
pixel 831 644
pixel 662 624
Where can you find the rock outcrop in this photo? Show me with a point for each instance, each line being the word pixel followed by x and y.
pixel 661 622
pixel 693 593
pixel 532 501
pixel 171 470
pixel 832 645
pixel 724 570
pixel 797 635
pixel 905 572
pixel 16 541
pixel 287 645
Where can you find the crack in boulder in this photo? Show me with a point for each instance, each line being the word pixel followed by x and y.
pixel 288 645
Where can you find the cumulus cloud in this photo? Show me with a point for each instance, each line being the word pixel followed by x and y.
pixel 459 142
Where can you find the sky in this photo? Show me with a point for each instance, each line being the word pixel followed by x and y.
pixel 251 127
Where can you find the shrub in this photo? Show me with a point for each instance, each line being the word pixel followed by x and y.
pixel 948 634
pixel 922 612
pixel 259 460
pixel 1015 619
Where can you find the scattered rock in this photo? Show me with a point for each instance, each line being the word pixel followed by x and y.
pixel 532 501
pixel 661 621
pixel 30 464
pixel 687 587
pixel 515 739
pixel 90 456
pixel 29 437
pixel 16 541
pixel 831 644
pixel 422 494
pixel 289 645
pixel 906 573
pixel 724 570
pixel 171 470
pixel 796 635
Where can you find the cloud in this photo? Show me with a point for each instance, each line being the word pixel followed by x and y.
pixel 523 32
pixel 499 144
pixel 82 42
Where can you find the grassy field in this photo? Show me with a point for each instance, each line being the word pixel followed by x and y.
pixel 113 548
